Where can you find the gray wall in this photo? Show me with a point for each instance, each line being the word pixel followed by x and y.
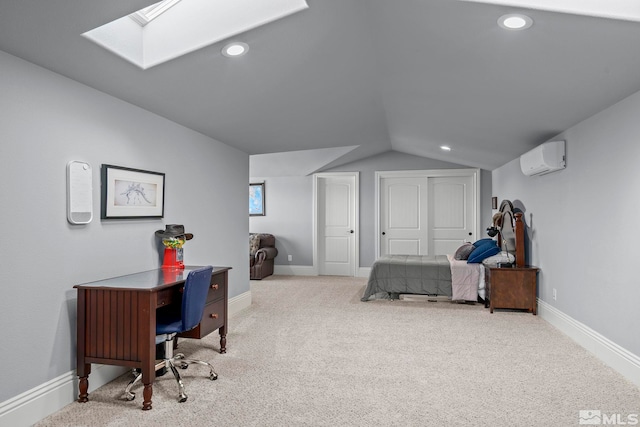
pixel 583 223
pixel 289 217
pixel 290 205
pixel 47 120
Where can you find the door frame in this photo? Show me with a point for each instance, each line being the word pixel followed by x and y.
pixel 430 173
pixel 316 205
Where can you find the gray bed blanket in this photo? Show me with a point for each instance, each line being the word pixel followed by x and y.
pixel 392 275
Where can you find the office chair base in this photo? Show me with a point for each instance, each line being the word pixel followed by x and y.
pixel 170 364
pixel 184 364
pixel 128 394
pixel 182 397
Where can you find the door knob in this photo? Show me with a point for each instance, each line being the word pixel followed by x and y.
pixel 351 231
pixel 383 233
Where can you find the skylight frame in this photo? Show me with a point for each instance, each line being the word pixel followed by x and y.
pixel 189 26
pixel 143 16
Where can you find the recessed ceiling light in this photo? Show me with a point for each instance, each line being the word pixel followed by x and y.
pixel 515 21
pixel 445 148
pixel 235 49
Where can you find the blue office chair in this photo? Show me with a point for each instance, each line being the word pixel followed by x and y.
pixel 170 322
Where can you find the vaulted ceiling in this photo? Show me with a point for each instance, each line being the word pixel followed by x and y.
pixel 366 75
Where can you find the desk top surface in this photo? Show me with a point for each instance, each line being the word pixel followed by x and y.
pixel 147 280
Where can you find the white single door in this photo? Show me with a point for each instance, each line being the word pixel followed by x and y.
pixel 336 218
pixel 403 216
pixel 451 202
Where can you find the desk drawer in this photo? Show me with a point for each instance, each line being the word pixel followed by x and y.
pixel 213 318
pixel 165 297
pixel 218 287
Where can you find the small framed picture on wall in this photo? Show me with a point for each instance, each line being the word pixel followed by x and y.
pixel 256 199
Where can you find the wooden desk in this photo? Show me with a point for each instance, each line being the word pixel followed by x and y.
pixel 117 320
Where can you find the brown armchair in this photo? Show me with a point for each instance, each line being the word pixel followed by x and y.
pixel 262 251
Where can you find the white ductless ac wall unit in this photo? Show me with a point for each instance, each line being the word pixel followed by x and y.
pixel 545 158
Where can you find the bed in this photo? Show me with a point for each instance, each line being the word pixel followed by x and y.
pixel 443 275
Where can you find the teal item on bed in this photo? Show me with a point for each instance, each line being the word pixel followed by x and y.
pixel 483 251
pixel 484 241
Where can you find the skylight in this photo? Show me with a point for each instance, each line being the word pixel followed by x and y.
pixel 628 10
pixel 172 28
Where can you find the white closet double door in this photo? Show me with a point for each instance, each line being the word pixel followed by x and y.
pixel 427 212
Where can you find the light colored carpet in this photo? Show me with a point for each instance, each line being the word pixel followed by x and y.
pixel 309 353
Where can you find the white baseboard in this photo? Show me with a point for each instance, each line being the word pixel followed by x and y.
pixel 294 270
pixel 618 358
pixel 33 405
pixel 303 270
pixel 239 303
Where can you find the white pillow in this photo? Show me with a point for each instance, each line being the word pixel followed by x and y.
pixel 503 256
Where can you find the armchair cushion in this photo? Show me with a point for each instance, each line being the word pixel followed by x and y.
pixel 254 243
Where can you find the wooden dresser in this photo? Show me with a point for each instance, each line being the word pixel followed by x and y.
pixel 513 288
pixel 215 310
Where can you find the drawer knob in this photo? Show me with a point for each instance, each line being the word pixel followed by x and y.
pixel 215 287
pixel 214 316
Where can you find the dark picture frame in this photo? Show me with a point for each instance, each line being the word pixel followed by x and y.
pixel 256 199
pixel 131 193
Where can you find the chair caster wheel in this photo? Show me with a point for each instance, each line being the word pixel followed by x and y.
pixel 184 366
pixel 213 377
pixel 182 398
pixel 129 396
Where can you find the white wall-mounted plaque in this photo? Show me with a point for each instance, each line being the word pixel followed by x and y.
pixel 79 192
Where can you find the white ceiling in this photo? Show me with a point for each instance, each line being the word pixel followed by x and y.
pixel 404 75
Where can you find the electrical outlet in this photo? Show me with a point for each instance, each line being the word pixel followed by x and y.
pixel 290 258
pixel 555 295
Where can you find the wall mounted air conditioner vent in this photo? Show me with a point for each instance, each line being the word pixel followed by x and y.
pixel 545 158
